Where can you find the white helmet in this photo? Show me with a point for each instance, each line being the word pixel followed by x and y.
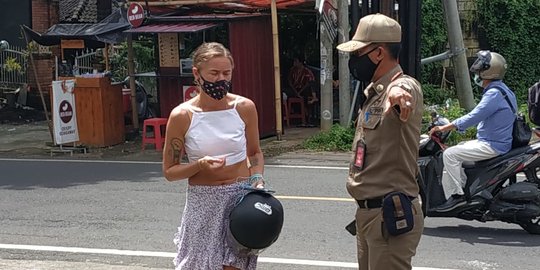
pixel 489 65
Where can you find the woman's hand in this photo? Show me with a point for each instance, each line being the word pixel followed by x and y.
pixel 210 163
pixel 257 181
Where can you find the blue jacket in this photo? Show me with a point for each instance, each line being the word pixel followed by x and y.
pixel 493 116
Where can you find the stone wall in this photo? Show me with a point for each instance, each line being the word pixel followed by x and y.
pixel 468 18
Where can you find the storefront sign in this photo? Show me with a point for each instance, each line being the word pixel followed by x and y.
pixel 64 113
pixel 135 14
pixel 72 44
pixel 168 50
pixel 190 92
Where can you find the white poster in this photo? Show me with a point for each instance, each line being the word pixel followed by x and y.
pixel 64 113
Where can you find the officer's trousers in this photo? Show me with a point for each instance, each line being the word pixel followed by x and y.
pixel 377 249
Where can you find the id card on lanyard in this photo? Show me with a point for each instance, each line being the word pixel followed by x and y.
pixel 360 155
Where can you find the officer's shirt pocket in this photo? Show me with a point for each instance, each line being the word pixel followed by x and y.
pixel 373 117
pixel 372 135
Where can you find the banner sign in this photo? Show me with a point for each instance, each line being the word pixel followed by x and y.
pixel 64 113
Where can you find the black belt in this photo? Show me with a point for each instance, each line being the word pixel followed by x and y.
pixel 373 203
pixel 370 203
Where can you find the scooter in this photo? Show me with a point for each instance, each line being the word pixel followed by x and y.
pixel 492 190
pixel 142 97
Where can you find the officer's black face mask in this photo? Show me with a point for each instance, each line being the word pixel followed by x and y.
pixel 361 67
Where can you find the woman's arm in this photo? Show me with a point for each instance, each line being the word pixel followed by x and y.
pixel 173 150
pixel 248 112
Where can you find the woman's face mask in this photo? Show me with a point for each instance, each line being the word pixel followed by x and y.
pixel 361 67
pixel 217 90
pixel 477 80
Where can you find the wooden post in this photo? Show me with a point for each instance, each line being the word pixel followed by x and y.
pixel 132 86
pixel 106 55
pixel 49 123
pixel 277 81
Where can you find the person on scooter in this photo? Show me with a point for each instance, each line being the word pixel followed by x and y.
pixel 494 119
pixel 386 146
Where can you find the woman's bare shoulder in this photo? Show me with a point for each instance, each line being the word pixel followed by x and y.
pixel 181 112
pixel 244 103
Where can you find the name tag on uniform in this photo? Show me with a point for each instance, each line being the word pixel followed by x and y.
pixel 359 155
pixel 376 110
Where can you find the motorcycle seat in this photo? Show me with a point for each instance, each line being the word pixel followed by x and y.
pixel 497 159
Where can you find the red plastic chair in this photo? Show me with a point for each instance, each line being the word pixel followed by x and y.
pixel 158 138
pixel 291 101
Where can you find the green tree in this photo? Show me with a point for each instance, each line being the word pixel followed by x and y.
pixel 511 27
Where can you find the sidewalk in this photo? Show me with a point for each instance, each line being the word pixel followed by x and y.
pixel 33 140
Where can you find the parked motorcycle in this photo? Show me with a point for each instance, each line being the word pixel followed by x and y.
pixel 142 97
pixel 492 189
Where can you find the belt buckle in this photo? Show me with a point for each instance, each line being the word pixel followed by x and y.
pixel 365 203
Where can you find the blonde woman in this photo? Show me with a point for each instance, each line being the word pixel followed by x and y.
pixel 218 131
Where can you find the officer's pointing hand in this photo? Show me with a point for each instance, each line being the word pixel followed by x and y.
pixel 401 98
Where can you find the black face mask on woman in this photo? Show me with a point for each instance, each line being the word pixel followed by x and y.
pixel 361 67
pixel 217 90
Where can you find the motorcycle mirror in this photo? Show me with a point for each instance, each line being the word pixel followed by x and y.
pixel 4 45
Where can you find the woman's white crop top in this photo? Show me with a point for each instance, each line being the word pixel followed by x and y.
pixel 216 134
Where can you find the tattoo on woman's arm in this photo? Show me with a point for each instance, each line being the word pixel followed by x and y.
pixel 254 161
pixel 176 145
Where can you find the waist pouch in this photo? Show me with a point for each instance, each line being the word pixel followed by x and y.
pixel 397 213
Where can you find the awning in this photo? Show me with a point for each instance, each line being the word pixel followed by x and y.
pixel 177 27
pixel 167 6
pixel 109 30
pixel 279 3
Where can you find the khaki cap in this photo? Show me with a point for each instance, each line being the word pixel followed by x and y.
pixel 374 28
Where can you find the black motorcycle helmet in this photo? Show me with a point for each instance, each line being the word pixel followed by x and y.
pixel 255 223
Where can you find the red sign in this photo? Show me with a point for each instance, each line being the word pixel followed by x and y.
pixel 135 14
pixel 190 92
pixel 65 111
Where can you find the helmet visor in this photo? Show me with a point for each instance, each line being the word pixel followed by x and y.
pixel 482 62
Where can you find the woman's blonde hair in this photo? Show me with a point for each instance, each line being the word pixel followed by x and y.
pixel 207 51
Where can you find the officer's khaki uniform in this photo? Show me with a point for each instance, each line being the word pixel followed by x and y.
pixel 389 165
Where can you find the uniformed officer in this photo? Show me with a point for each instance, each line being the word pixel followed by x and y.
pixel 386 143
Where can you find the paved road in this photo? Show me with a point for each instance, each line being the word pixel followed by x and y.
pixel 121 215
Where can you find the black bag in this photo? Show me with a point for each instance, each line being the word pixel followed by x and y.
pixel 397 211
pixel 521 132
pixel 533 103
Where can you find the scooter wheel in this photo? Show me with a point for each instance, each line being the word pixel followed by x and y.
pixel 532 226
